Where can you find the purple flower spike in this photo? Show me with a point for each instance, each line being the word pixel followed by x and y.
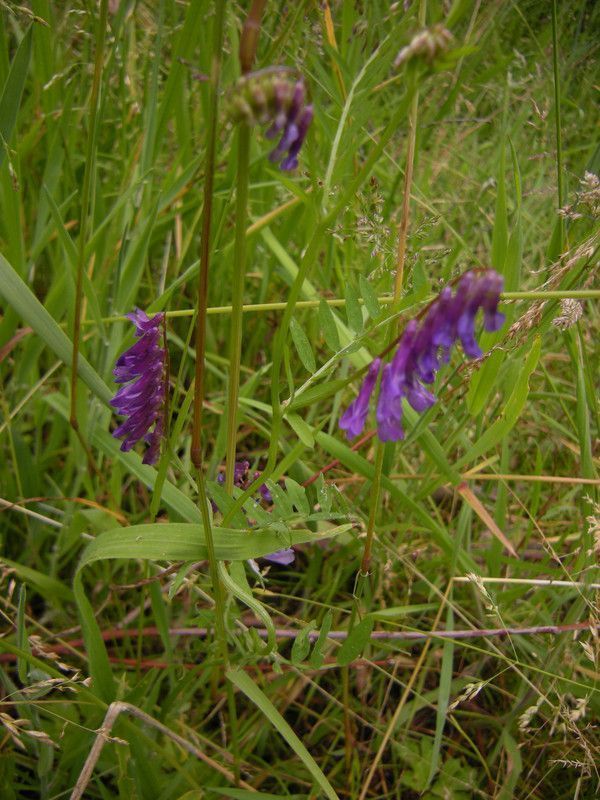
pixel 142 400
pixel 275 96
pixel 353 420
pixel 291 162
pixel 423 346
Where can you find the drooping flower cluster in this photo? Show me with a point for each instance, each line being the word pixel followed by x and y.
pixel 142 400
pixel 242 480
pixel 274 96
pixel 424 345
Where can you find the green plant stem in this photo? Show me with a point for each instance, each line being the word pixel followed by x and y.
pixel 557 123
pixel 206 238
pixel 340 302
pixel 392 331
pixel 235 331
pixel 278 349
pixel 90 161
pixel 202 303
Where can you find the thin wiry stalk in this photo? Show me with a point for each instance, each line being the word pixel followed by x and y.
pixel 196 448
pixel 405 695
pixel 235 333
pixel 247 53
pixel 340 302
pixel 90 161
pixel 398 286
pixel 557 123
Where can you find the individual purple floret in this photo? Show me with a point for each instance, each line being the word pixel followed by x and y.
pixel 240 471
pixel 353 419
pixel 142 400
pixel 277 96
pixel 263 490
pixel 422 348
pixel 296 125
pixel 282 557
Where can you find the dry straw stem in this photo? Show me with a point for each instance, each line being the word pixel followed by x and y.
pixel 103 735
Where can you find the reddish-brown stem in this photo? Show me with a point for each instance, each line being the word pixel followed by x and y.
pixel 250 34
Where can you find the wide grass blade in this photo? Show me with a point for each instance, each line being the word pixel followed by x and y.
pixel 181 541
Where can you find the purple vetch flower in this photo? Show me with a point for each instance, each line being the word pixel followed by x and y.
pixel 240 471
pixel 424 345
pixel 142 400
pixel 282 557
pixel 263 490
pixel 241 479
pixel 354 418
pixel 275 95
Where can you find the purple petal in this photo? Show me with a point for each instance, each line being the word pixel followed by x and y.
pixel 466 332
pixel 389 407
pixel 354 418
pixel 283 557
pixel 419 398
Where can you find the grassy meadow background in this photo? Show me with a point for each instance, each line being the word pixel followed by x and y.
pixel 492 496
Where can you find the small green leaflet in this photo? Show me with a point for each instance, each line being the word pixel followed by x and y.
pixel 356 642
pixel 302 346
pixel 353 310
pixel 369 296
pixel 301 646
pixel 317 657
pixel 328 326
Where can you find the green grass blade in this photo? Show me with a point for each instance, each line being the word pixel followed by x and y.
pixel 13 91
pixel 246 685
pixel 359 465
pixel 511 412
pixel 47 586
pixel 28 307
pixel 173 497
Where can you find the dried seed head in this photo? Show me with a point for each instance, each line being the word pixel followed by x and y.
pixel 428 44
pixel 571 312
